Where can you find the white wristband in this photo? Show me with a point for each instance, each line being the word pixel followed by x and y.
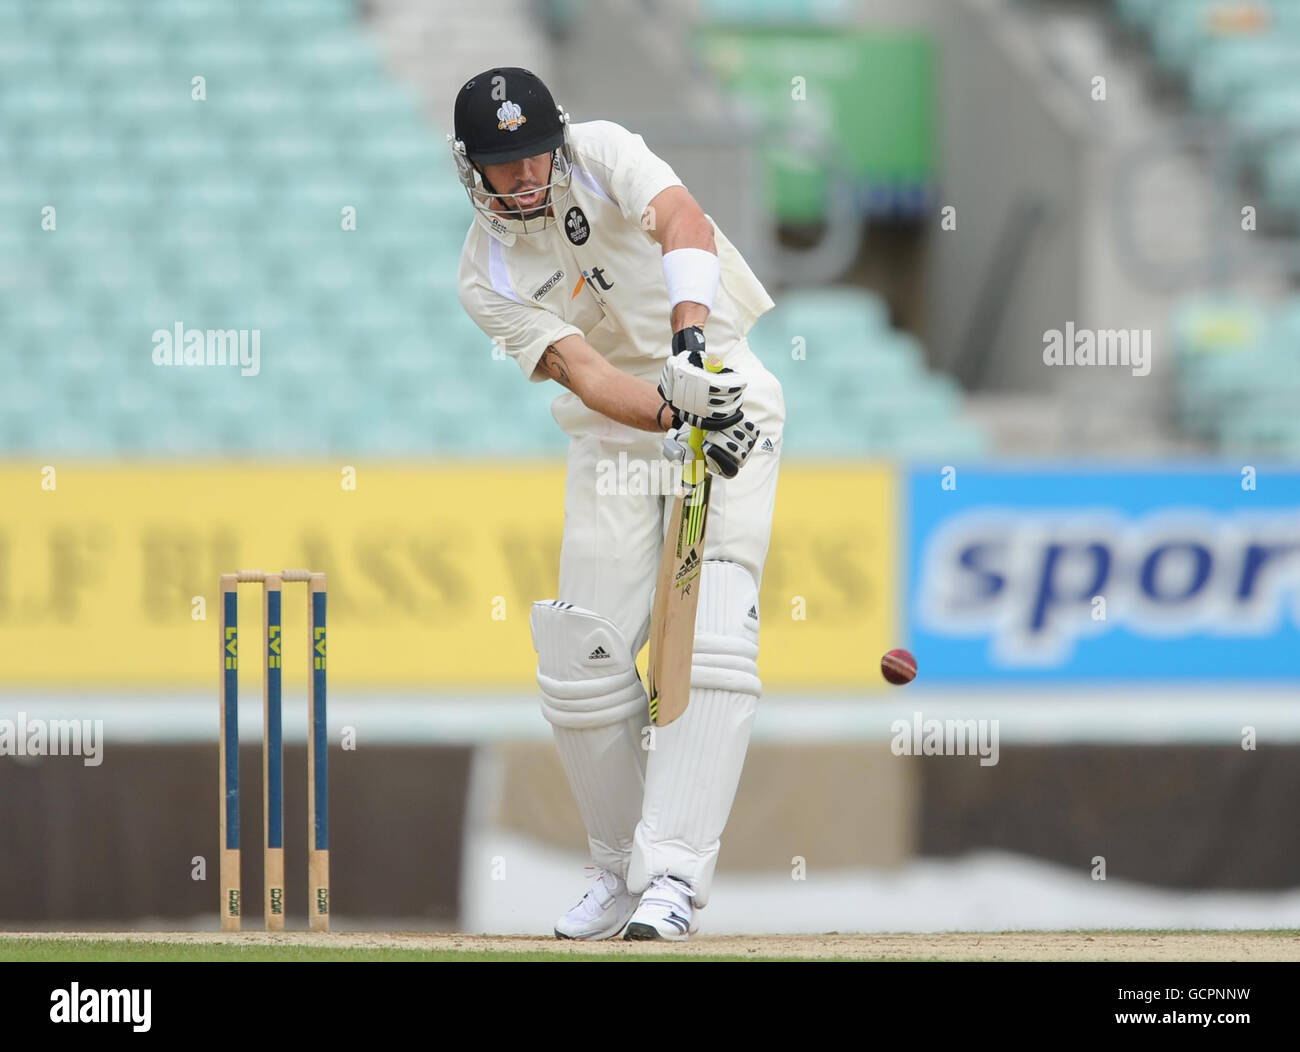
pixel 691 274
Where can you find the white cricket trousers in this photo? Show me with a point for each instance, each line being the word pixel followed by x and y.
pixel 615 517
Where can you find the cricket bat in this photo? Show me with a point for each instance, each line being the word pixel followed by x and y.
pixel 677 593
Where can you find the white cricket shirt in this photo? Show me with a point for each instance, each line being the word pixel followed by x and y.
pixel 595 272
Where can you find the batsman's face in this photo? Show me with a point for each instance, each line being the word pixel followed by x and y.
pixel 524 182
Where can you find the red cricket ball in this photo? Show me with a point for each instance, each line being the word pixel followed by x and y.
pixel 899 667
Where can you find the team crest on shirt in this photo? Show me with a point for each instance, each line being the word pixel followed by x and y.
pixel 510 117
pixel 576 225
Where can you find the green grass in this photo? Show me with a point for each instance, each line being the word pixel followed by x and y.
pixel 113 951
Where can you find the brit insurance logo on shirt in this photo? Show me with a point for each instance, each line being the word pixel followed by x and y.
pixel 576 226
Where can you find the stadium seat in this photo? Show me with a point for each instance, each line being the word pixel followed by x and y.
pixel 225 213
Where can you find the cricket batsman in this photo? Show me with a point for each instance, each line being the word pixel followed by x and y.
pixel 591 265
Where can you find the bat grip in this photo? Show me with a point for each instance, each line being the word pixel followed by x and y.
pixel 693 471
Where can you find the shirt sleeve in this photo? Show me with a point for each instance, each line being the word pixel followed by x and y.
pixel 522 330
pixel 625 167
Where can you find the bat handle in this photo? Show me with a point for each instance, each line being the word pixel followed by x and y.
pixel 696 439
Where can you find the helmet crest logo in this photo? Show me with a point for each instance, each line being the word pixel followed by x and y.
pixel 510 117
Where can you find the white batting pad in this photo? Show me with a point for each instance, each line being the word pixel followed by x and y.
pixel 594 700
pixel 695 764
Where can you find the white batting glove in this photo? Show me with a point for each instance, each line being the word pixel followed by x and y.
pixel 709 401
pixel 725 451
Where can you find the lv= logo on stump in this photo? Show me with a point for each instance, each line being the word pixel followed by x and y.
pixel 318 858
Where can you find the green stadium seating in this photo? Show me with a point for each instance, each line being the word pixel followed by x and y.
pixel 1137 13
pixel 784 12
pixel 1280 176
pixel 1227 68
pixel 224 213
pixel 861 389
pixel 1183 31
pixel 1238 373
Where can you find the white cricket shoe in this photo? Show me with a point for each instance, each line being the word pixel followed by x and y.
pixel 602 912
pixel 666 911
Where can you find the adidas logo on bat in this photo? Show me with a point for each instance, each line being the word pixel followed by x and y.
pixel 689 565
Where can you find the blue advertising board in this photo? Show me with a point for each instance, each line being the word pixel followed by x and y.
pixel 1087 574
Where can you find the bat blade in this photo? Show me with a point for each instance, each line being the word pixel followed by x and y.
pixel 677 590
pixel 677 595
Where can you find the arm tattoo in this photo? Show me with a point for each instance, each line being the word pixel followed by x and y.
pixel 553 360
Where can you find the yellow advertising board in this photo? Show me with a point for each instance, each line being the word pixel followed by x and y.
pixel 108 572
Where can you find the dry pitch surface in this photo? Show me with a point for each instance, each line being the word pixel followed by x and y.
pixel 966 946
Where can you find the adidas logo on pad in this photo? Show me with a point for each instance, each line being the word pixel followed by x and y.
pixel 753 612
pixel 597 654
pixel 767 446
